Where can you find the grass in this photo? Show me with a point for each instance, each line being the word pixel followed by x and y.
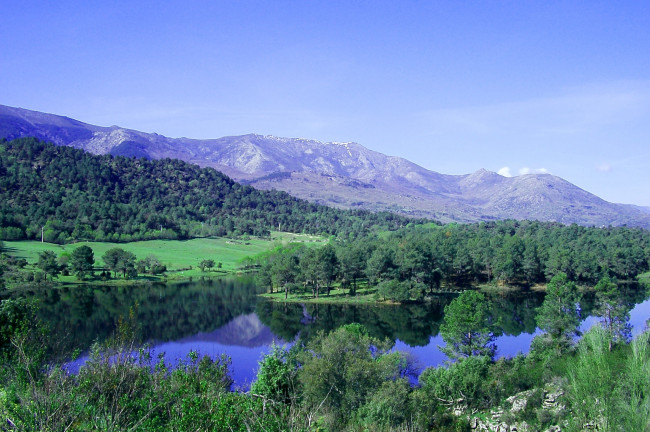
pixel 337 295
pixel 178 255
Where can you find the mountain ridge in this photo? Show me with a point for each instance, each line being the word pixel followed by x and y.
pixel 342 174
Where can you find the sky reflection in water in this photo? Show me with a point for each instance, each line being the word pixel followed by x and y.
pixel 244 328
pixel 245 359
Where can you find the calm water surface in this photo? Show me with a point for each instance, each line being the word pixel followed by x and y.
pixel 225 316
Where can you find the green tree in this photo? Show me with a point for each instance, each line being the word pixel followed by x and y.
pixel 388 407
pixel 112 258
pixel 263 276
pixel 63 261
pixel 17 316
pixel 614 313
pixel 117 259
pixel 465 379
pixel 329 265
pixel 142 266
pixel 559 314
pixel 509 266
pixel 48 263
pixel 393 290
pixel 353 262
pixel 559 261
pixel 343 369
pixel 206 263
pixel 465 328
pixel 310 270
pixel 530 263
pixel 277 375
pixel 380 264
pixel 154 265
pixel 82 261
pixel 127 264
pixel 284 271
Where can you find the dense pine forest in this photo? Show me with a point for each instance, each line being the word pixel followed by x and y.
pixel 411 262
pixel 68 195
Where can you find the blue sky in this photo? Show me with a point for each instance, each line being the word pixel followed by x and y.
pixel 511 86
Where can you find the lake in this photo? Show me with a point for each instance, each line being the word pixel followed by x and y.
pixel 221 316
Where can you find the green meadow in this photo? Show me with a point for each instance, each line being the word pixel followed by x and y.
pixel 178 255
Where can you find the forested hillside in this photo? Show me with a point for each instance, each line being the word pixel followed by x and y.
pixel 68 195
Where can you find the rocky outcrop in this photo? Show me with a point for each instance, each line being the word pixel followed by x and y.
pixel 508 418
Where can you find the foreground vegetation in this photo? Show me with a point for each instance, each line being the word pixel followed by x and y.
pixel 340 380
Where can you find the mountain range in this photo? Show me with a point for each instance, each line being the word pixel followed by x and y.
pixel 342 174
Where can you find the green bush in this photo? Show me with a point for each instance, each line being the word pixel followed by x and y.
pixel 342 370
pixel 465 380
pixel 277 375
pixel 388 406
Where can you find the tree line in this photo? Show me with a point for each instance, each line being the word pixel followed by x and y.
pixel 414 261
pixel 80 262
pixel 63 195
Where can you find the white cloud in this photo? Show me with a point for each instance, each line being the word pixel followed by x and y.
pixel 604 167
pixel 526 170
pixel 505 171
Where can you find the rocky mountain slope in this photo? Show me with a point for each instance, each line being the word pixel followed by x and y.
pixel 345 175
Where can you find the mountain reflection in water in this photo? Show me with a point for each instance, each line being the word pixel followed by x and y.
pixel 245 331
pixel 244 339
pixel 220 316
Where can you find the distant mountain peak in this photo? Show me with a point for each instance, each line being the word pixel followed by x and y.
pixel 483 173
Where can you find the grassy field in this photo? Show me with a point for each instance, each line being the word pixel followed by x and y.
pixel 337 295
pixel 177 255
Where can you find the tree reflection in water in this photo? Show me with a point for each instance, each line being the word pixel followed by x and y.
pixel 226 315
